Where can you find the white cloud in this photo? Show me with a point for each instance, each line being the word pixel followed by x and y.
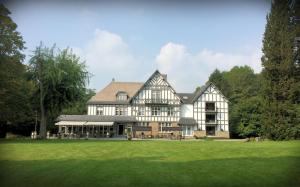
pixel 107 56
pixel 186 70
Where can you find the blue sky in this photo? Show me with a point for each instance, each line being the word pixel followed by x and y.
pixel 129 40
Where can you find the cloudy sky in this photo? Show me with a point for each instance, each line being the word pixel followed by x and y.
pixel 129 40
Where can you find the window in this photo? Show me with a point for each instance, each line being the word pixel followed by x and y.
pixel 170 111
pixel 209 106
pixel 155 111
pixel 121 111
pixel 122 96
pixel 210 118
pixel 99 111
pixel 156 95
pixel 143 124
pixel 165 124
pixel 141 111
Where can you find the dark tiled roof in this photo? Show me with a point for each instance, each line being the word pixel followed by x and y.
pixel 94 118
pixel 186 97
pixel 187 121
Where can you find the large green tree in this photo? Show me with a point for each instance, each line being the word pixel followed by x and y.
pixel 281 74
pixel 219 80
pixel 60 78
pixel 15 90
pixel 242 87
pixel 80 107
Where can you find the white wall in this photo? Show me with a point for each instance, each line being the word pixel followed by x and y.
pixel 212 95
pixel 108 110
pixel 186 110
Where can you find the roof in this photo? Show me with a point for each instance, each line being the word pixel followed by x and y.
pixel 95 118
pixel 108 94
pixel 187 121
pixel 186 97
pixel 200 91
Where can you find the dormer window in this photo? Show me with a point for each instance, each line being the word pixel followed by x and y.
pixel 122 96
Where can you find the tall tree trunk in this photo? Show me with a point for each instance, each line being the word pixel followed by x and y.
pixel 43 125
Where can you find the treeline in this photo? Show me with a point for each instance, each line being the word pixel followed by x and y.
pixel 54 81
pixel 268 104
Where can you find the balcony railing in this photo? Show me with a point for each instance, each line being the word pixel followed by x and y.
pixel 210 121
pixel 156 101
pixel 210 110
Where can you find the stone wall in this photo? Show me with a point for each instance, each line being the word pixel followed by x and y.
pixel 142 134
pixel 222 134
pixel 199 134
pixel 174 124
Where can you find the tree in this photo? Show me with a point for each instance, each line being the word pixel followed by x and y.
pixel 218 79
pixel 280 77
pixel 79 108
pixel 15 105
pixel 60 77
pixel 247 117
pixel 242 88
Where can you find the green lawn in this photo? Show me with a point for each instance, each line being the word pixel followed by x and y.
pixel 149 163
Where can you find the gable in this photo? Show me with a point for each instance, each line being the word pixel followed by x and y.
pixel 209 88
pixel 156 83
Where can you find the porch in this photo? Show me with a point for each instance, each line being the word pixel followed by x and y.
pixel 88 126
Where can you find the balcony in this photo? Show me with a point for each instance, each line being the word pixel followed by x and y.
pixel 210 110
pixel 156 101
pixel 210 107
pixel 210 122
pixel 210 119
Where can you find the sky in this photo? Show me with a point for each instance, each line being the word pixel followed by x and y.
pixel 129 40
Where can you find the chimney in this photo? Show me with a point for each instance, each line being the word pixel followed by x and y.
pixel 113 80
pixel 165 76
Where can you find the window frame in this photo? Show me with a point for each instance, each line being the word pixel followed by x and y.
pixel 122 96
pixel 156 95
pixel 100 111
pixel 155 111
pixel 121 111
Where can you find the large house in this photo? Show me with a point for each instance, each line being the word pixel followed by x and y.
pixel 150 109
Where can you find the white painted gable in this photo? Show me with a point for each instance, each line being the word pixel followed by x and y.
pixel 156 82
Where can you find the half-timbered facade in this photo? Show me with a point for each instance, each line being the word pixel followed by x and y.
pixel 150 109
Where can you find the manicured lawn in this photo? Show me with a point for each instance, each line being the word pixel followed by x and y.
pixel 149 163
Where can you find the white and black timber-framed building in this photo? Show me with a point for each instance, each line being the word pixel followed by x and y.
pixel 150 109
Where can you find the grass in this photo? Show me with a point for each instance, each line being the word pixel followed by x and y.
pixel 149 163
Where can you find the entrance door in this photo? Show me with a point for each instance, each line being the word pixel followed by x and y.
pixel 121 130
pixel 187 131
pixel 210 130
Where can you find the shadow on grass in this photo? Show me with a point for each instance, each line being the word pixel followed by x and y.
pixel 152 171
